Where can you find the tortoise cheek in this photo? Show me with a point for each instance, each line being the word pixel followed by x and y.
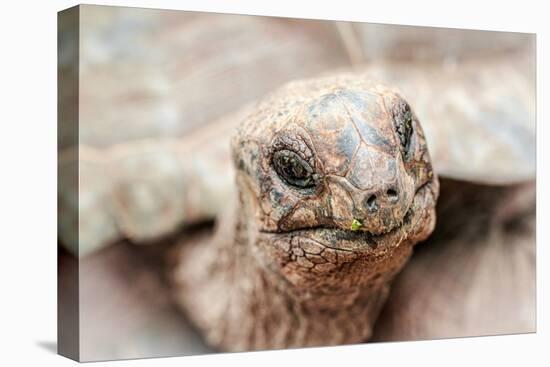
pixel 301 217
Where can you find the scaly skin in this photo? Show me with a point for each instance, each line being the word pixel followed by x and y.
pixel 334 188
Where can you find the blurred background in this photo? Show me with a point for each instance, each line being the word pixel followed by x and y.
pixel 168 72
pixel 151 77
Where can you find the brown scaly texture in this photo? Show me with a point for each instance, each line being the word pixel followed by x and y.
pixel 334 188
pixel 471 134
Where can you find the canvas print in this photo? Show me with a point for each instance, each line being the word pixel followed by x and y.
pixel 232 183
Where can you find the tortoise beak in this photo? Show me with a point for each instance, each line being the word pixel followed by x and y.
pixel 375 201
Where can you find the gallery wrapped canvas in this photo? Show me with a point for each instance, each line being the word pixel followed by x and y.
pixel 236 183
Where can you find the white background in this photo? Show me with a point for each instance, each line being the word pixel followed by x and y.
pixel 28 182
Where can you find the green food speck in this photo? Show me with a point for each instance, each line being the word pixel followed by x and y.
pixel 356 224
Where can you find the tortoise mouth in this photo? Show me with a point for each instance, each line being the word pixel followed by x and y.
pixel 349 240
pixel 353 240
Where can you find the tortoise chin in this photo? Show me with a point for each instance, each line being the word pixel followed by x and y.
pixel 330 261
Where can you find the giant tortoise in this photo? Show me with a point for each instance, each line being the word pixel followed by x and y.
pixel 321 191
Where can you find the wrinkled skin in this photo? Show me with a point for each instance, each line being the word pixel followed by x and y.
pixel 334 188
pixel 479 127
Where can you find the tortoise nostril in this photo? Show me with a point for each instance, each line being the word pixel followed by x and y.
pixel 392 194
pixel 371 203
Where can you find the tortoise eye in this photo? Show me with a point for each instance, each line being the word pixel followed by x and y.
pixel 293 169
pixel 402 117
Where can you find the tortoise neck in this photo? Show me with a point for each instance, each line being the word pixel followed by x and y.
pixel 266 312
pixel 240 304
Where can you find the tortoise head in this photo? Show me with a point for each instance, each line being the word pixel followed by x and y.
pixel 336 180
